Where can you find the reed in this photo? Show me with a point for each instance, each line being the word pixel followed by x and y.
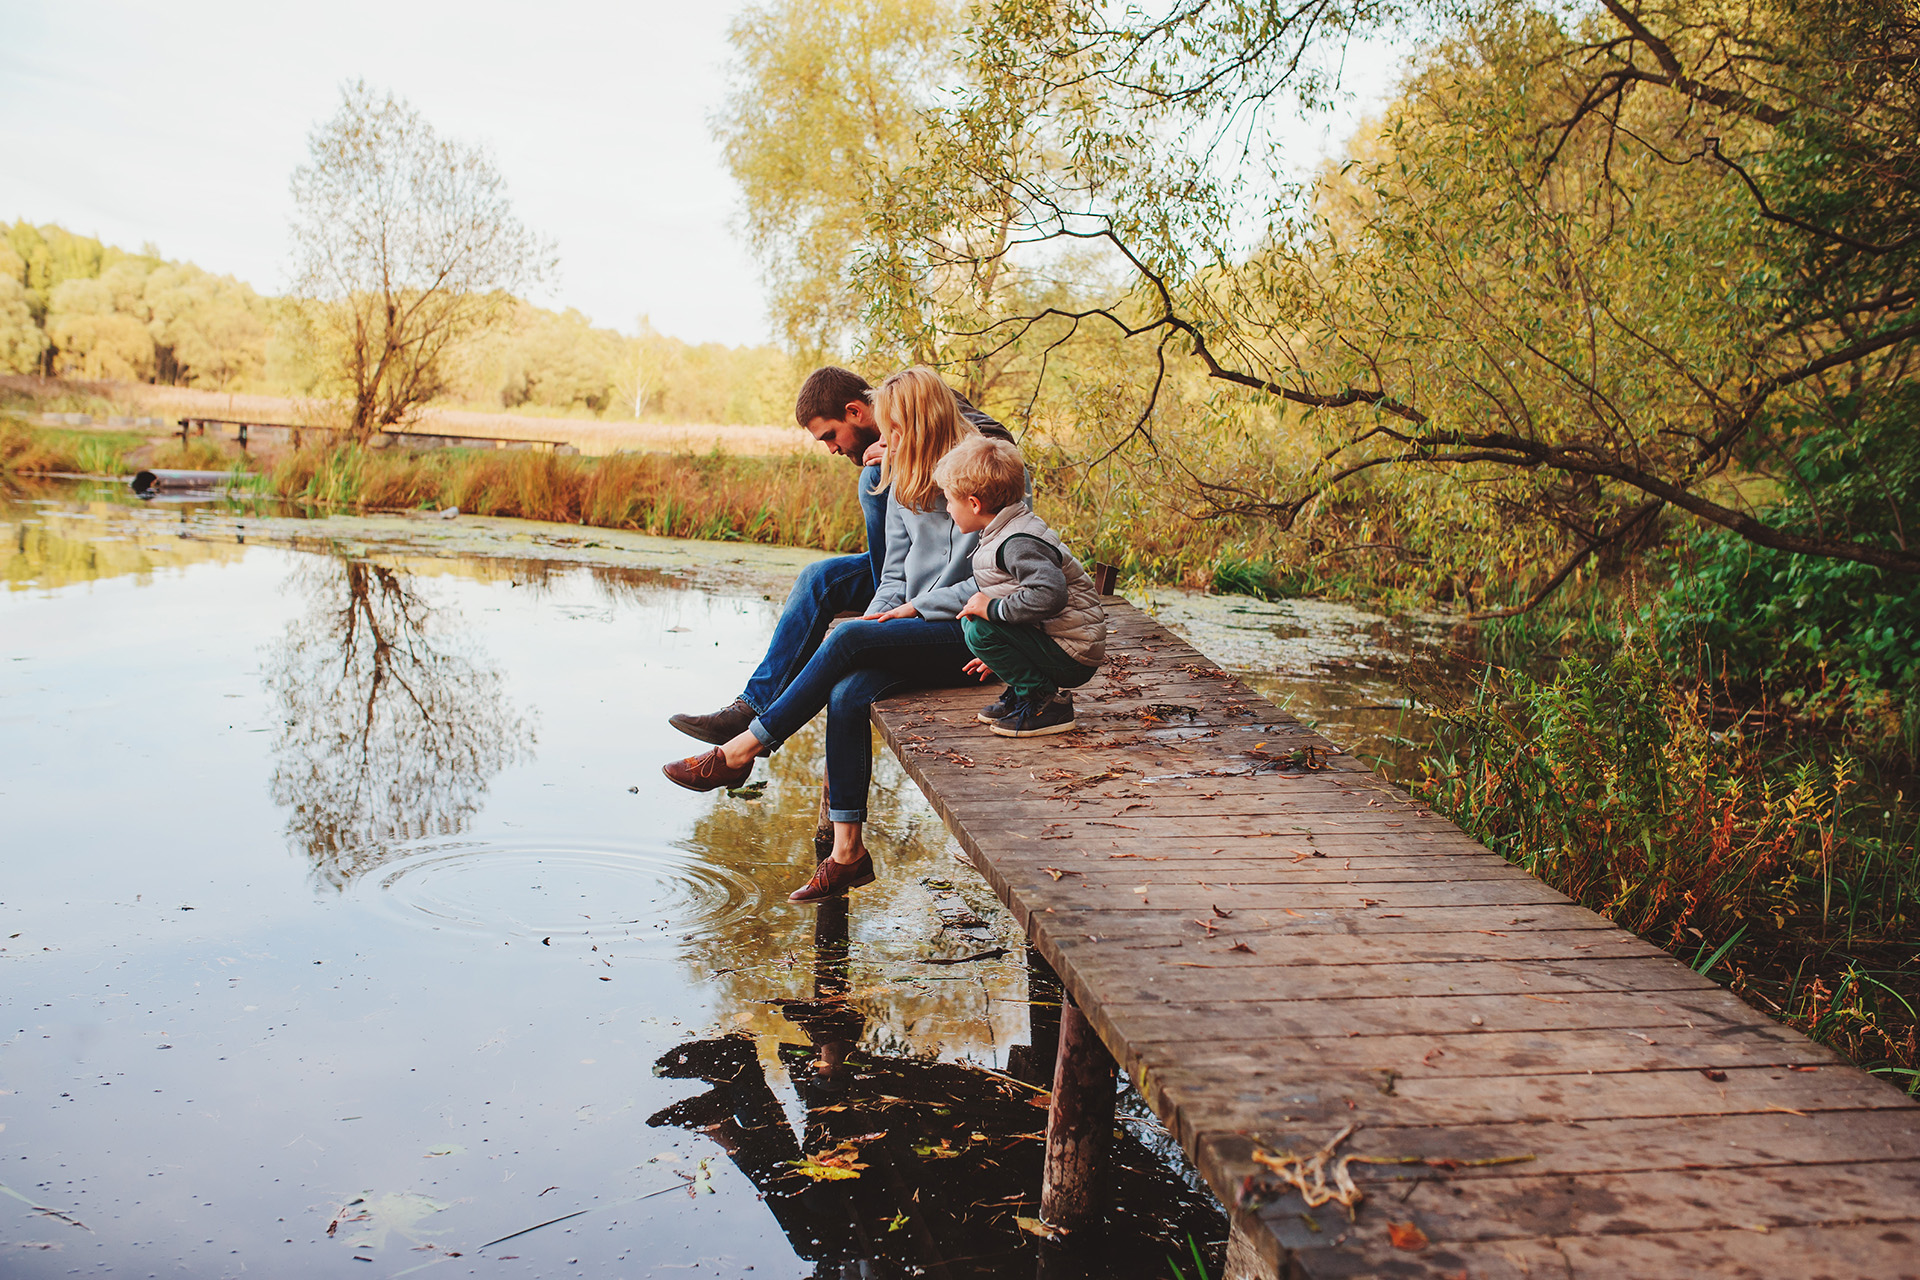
pixel 1767 861
pixel 801 501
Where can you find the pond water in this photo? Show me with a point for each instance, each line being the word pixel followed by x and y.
pixel 348 927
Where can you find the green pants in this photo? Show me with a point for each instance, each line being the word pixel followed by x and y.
pixel 1025 657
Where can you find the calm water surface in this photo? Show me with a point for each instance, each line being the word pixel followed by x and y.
pixel 348 928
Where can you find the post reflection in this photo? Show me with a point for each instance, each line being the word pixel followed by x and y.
pixel 906 1165
pixel 391 727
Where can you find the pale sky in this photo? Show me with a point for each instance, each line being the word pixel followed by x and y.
pixel 179 123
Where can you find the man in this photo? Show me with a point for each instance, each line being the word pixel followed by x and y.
pixel 835 408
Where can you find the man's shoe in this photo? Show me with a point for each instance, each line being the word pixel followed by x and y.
pixel 718 727
pixel 1000 708
pixel 1036 720
pixel 706 772
pixel 832 879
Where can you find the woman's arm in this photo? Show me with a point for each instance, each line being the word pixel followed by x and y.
pixel 892 590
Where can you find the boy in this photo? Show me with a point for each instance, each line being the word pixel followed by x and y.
pixel 1035 620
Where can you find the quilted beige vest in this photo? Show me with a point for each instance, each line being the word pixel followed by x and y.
pixel 1080 629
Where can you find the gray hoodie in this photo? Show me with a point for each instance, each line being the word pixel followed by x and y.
pixel 929 562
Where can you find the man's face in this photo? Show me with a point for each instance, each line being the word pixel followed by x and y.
pixel 849 436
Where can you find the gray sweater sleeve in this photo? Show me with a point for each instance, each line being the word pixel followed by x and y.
pixel 892 589
pixel 1042 589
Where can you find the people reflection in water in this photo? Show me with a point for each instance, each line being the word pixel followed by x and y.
pixel 908 1165
pixel 391 726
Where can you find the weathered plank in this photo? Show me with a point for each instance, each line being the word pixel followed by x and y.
pixel 1275 945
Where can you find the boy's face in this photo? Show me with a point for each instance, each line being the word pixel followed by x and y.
pixel 968 515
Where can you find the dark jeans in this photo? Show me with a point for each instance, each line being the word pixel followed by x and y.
pixel 843 584
pixel 1025 658
pixel 857 665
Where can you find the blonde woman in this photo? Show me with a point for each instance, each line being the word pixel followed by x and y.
pixel 910 637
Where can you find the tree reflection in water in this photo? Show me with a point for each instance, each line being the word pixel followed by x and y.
pixel 391 726
pixel 906 1165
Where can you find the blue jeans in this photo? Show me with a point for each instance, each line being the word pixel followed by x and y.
pixel 843 584
pixel 860 663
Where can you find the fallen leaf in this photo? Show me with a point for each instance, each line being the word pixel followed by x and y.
pixel 1405 1235
pixel 1056 873
pixel 1228 914
pixel 832 1165
pixel 1035 1227
pixel 1241 946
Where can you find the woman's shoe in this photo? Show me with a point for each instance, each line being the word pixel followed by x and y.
pixel 831 879
pixel 707 772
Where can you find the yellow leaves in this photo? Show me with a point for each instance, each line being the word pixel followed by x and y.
pixel 832 1165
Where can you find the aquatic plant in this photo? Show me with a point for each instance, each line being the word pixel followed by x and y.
pixel 1614 782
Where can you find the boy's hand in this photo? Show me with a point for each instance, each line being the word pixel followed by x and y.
pixel 898 611
pixel 978 669
pixel 976 607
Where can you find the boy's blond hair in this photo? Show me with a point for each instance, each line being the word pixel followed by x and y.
pixel 984 468
pixel 920 421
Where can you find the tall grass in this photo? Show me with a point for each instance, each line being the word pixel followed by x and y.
pixel 803 501
pixel 1611 782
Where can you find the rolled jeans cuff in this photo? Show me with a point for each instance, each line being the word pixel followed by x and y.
pixel 758 729
pixel 846 815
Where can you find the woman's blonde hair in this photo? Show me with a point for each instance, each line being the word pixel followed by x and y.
pixel 920 421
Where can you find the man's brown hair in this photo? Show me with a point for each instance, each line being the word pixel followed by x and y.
pixel 826 394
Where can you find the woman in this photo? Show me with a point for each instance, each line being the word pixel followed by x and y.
pixel 909 638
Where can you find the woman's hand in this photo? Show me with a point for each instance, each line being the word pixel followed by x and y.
pixel 898 611
pixel 976 607
pixel 876 453
pixel 978 669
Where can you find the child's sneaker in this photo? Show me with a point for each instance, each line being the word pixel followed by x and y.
pixel 1036 720
pixel 1000 708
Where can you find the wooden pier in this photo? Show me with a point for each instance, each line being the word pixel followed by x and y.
pixel 1296 962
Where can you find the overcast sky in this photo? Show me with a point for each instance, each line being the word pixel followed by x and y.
pixel 179 124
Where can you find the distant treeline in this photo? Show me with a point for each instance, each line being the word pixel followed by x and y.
pixel 71 306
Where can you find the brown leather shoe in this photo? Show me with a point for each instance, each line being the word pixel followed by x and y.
pixel 706 772
pixel 718 727
pixel 831 879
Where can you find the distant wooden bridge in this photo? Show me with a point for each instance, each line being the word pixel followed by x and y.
pixel 1297 963
pixel 246 432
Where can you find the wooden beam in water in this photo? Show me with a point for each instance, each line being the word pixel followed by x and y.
pixel 1079 1124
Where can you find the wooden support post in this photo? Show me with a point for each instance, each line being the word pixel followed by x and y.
pixel 1034 1061
pixel 1079 1123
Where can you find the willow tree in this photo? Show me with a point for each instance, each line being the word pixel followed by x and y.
pixel 1592 264
pixel 822 118
pixel 406 245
